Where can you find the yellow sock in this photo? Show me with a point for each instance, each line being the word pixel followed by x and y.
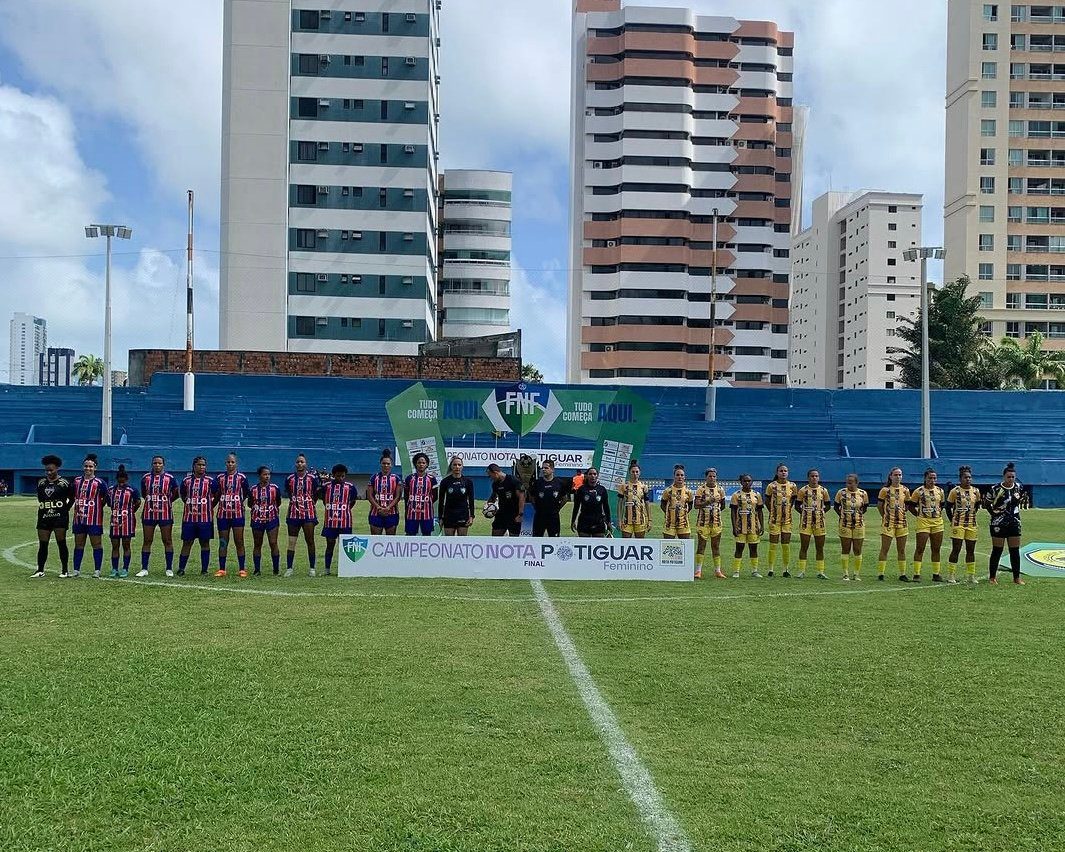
pixel 772 555
pixel 846 560
pixel 802 565
pixel 702 560
pixel 952 568
pixel 785 549
pixel 970 568
pixel 756 563
pixel 856 562
pixel 916 568
pixel 820 566
pixel 935 569
pixel 737 563
pixel 881 567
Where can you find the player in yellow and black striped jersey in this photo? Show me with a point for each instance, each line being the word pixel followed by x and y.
pixel 634 500
pixel 926 504
pixel 963 504
pixel 779 499
pixel 812 503
pixel 891 501
pixel 709 500
pixel 747 523
pixel 677 502
pixel 851 504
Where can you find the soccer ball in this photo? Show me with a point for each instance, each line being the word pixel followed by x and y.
pixel 489 509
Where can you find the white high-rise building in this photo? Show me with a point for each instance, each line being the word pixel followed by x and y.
pixel 29 339
pixel 850 286
pixel 475 216
pixel 1005 164
pixel 676 116
pixel 329 175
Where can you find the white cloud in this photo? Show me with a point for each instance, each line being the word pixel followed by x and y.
pixel 539 310
pixel 156 67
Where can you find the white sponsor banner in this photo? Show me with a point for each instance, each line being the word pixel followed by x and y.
pixel 505 458
pixel 488 558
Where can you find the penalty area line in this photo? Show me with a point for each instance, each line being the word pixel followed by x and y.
pixel 637 779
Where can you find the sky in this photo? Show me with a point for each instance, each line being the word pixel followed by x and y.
pixel 110 111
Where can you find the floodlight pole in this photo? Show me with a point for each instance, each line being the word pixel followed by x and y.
pixel 924 254
pixel 123 233
pixel 711 389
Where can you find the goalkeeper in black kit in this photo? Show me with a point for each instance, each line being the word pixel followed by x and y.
pixel 1004 503
pixel 55 497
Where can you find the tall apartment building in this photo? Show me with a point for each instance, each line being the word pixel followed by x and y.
pixel 29 338
pixel 56 367
pixel 475 217
pixel 850 285
pixel 329 175
pixel 1005 164
pixel 676 115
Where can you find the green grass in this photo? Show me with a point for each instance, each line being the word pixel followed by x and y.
pixel 438 715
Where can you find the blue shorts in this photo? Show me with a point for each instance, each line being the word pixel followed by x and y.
pixel 386 522
pixel 148 522
pixel 87 529
pixel 424 527
pixel 230 523
pixel 335 532
pixel 269 525
pixel 296 524
pixel 196 530
pixel 114 537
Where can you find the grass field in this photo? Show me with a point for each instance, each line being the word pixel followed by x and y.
pixel 439 715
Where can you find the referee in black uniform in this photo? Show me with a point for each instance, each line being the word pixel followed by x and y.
pixel 55 496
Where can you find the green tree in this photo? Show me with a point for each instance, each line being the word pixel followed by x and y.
pixel 531 374
pixel 87 369
pixel 1026 365
pixel 957 349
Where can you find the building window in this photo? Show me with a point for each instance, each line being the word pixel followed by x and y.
pixel 985 329
pixel 988 99
pixel 892 209
pixel 986 273
pixel 306 151
pixel 307 107
pixel 892 244
pixel 306 238
pixel 892 226
pixel 1036 301
pixel 380 328
pixel 308 19
pixel 1013 272
pixel 891 261
pixel 891 332
pixel 305 282
pixel 987 213
pixel 305 326
pixel 1014 214
pixel 306 194
pixel 990 41
pixel 1013 329
pixel 889 385
pixel 987 156
pixel 987 300
pixel 987 127
pixel 987 242
pixel 988 70
pixel 991 12
pixel 987 185
pixel 890 315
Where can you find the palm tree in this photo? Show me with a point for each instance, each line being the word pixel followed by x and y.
pixel 88 368
pixel 1026 365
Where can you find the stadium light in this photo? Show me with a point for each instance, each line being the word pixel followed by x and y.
pixel 924 254
pixel 123 233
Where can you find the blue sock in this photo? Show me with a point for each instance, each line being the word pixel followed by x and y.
pixel 276 557
pixel 205 561
pixel 170 560
pixel 310 556
pixel 222 559
pixel 114 563
pixel 183 560
pixel 328 560
pixel 291 556
pixel 258 560
pixel 240 561
pixel 145 556
pixel 98 558
pixel 125 560
pixel 79 552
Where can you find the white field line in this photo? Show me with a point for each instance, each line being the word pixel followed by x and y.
pixel 663 826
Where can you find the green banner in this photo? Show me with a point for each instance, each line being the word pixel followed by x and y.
pixel 617 421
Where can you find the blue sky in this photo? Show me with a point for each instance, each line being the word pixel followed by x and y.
pixel 110 111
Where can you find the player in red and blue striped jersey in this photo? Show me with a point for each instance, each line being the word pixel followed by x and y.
pixel 124 502
pixel 301 488
pixel 197 515
pixel 264 500
pixel 90 497
pixel 419 497
pixel 231 490
pixel 383 492
pixel 159 490
pixel 338 498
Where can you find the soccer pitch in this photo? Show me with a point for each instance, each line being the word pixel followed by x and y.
pixel 320 714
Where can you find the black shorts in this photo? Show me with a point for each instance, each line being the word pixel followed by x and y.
pixel 453 521
pixel 1009 528
pixel 549 525
pixel 507 523
pixel 592 529
pixel 51 524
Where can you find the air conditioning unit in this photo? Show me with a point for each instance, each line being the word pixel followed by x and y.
pixel 408 149
pixel 408 237
pixel 323 235
pixel 347 16
pixel 343 235
pixel 505 352
pixel 360 16
pixel 344 190
pixel 322 276
pixel 611 243
pixel 356 147
pixel 356 279
pixel 408 280
pixel 323 102
pixel 411 17
pixel 409 105
pixel 325 14
pixel 324 58
pixel 411 60
pixel 356 235
pixel 408 193
pixel 323 146
pixel 408 323
pixel 323 190
pixel 323 320
pixel 343 279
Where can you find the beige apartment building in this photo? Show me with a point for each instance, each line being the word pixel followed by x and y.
pixel 1005 163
